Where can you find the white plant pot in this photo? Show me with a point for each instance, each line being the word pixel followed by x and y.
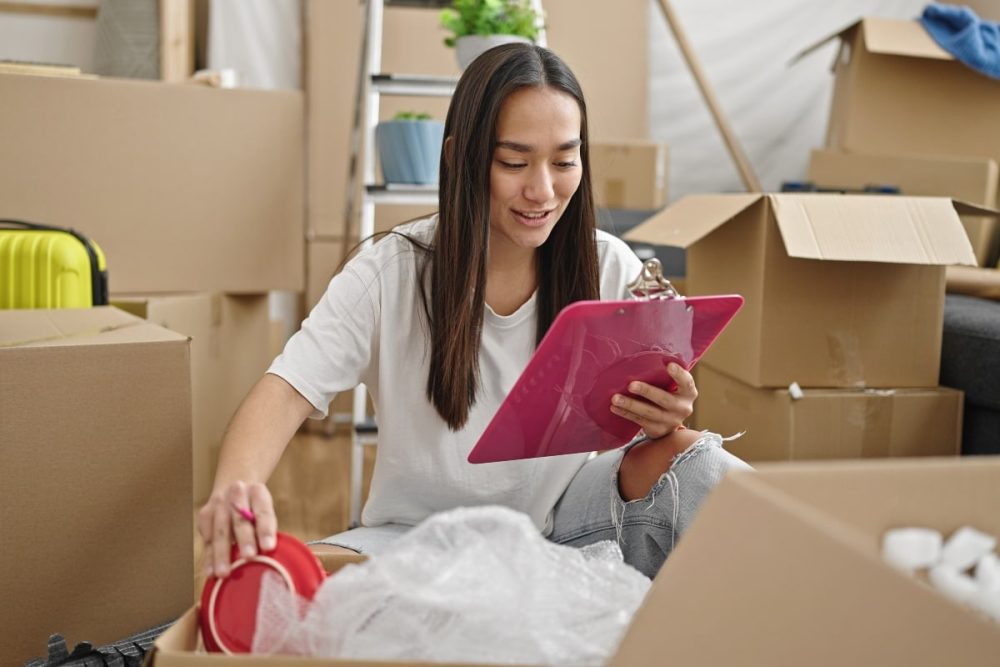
pixel 469 47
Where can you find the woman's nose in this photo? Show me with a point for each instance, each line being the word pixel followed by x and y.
pixel 539 186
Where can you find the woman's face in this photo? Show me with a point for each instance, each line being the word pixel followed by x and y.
pixel 536 166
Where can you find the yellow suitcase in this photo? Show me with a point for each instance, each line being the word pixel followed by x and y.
pixel 42 266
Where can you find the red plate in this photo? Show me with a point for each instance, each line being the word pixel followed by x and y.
pixel 229 605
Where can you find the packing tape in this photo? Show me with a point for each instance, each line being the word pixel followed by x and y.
pixel 83 333
pixel 872 414
pixel 844 352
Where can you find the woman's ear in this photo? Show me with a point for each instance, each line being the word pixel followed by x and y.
pixel 449 147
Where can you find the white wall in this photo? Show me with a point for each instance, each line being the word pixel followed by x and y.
pixel 777 111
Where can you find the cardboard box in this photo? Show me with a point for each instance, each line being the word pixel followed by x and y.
pixel 630 174
pixel 829 423
pixel 973 180
pixel 841 290
pixel 230 350
pixel 786 562
pixel 605 46
pixel 186 188
pixel 783 567
pixel 897 91
pixel 95 484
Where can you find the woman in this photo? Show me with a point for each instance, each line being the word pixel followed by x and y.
pixel 439 319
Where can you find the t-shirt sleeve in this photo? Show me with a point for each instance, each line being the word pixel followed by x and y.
pixel 619 266
pixel 332 350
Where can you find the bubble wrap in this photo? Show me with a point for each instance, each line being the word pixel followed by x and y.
pixel 469 585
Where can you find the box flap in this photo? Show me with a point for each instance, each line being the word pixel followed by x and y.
pixel 75 326
pixel 839 34
pixel 901 38
pixel 871 228
pixel 787 568
pixel 691 219
pixel 966 208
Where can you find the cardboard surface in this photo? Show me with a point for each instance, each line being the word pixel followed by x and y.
pixel 972 180
pixel 629 174
pixel 786 563
pixel 95 486
pixel 829 423
pixel 186 188
pixel 896 91
pixel 230 341
pixel 605 46
pixel 841 290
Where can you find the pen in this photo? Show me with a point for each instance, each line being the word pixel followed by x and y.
pixel 245 513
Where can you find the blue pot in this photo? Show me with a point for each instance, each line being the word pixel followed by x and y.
pixel 410 150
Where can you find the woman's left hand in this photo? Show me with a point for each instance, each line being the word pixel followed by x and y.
pixel 656 411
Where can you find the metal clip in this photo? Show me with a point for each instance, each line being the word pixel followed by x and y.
pixel 650 284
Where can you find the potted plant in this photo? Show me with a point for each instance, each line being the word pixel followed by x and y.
pixel 479 25
pixel 409 148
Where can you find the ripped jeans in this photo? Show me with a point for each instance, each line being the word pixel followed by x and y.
pixel 592 510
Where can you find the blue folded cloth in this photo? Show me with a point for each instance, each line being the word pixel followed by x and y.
pixel 959 31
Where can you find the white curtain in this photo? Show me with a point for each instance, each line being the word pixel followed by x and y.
pixel 777 111
pixel 260 39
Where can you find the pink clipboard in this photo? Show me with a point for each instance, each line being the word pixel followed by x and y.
pixel 561 402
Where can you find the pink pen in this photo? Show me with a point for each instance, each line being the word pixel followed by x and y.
pixel 245 513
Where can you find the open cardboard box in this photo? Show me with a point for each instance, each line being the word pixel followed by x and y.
pixel 841 290
pixel 896 90
pixel 782 567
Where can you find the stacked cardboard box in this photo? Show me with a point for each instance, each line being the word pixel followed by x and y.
pixel 843 293
pixel 196 197
pixel 95 485
pixel 907 113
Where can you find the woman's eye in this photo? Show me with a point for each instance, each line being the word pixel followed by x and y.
pixel 565 165
pixel 512 165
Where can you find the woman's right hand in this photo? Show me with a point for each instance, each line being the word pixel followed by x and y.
pixel 221 524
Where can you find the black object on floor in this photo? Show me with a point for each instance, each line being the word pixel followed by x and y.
pixel 129 652
pixel 970 361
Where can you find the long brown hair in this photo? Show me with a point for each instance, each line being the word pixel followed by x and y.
pixel 567 262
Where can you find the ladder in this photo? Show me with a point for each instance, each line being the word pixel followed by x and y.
pixel 372 84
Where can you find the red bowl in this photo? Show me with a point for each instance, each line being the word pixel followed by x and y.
pixel 228 609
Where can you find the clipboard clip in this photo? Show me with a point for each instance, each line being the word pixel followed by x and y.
pixel 650 284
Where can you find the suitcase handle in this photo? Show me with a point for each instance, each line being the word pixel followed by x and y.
pixel 98 281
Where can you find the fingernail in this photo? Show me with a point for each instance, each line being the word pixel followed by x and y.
pixel 248 550
pixel 673 368
pixel 207 570
pixel 634 386
pixel 618 400
pixel 268 543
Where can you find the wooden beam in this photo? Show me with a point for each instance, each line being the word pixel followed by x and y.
pixel 747 175
pixel 68 11
pixel 177 37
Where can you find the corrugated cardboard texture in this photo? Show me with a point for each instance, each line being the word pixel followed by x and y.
pixel 95 486
pixel 230 337
pixel 786 564
pixel 184 187
pixel 829 423
pixel 820 322
pixel 968 179
pixel 629 174
pixel 604 45
pixel 907 99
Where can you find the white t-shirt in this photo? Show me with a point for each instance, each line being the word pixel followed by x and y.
pixel 370 327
